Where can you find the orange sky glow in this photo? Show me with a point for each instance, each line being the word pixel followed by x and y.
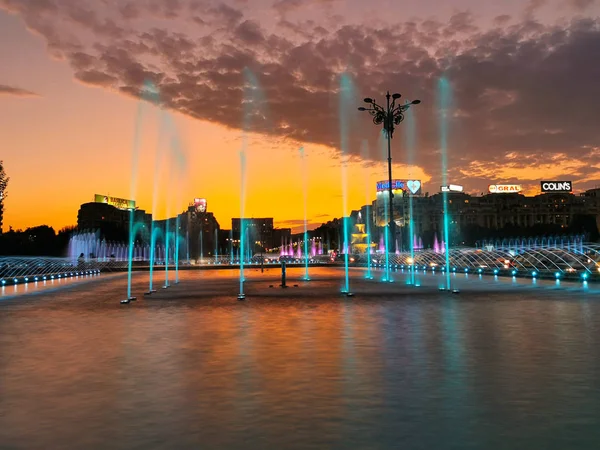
pixel 68 118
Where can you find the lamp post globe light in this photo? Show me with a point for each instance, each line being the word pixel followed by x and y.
pixel 389 116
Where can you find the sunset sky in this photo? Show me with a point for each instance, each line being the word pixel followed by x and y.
pixel 525 78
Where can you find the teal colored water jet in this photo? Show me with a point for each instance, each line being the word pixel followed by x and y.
pixel 242 222
pixel 167 239
pixel 158 164
pixel 410 142
pixel 148 93
pixel 254 117
pixel 347 98
pixel 444 104
pixel 176 253
pixel 154 234
pixel 368 219
pixel 179 160
pixel 305 189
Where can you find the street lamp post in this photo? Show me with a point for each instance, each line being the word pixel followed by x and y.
pixel 389 116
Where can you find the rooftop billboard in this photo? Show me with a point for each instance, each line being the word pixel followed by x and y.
pixel 556 186
pixel 408 186
pixel 504 188
pixel 200 205
pixel 120 203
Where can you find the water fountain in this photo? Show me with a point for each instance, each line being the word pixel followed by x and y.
pixel 305 189
pixel 252 103
pixel 179 160
pixel 177 245
pixel 444 99
pixel 347 97
pixel 409 140
pixel 155 233
pixel 167 248
pixel 148 93
pixel 368 219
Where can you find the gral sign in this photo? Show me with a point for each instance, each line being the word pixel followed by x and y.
pixel 120 203
pixel 504 188
pixel 556 186
pixel 200 205
pixel 451 188
pixel 407 186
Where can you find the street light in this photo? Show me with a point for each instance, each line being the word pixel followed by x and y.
pixel 388 116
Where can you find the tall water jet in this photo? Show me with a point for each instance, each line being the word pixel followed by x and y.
pixel 444 100
pixel 241 295
pixel 368 219
pixel 148 92
pixel 155 231
pixel 179 166
pixel 409 140
pixel 176 252
pixel 251 103
pixel 158 163
pixel 305 189
pixel 347 96
pixel 167 248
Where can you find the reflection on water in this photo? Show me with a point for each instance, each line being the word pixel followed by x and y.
pixel 197 369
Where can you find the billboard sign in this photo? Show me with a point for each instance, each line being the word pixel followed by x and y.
pixel 556 186
pixel 407 186
pixel 200 205
pixel 504 188
pixel 451 188
pixel 120 203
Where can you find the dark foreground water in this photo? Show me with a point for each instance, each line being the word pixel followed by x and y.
pixel 503 365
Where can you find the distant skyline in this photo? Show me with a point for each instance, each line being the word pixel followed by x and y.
pixel 524 77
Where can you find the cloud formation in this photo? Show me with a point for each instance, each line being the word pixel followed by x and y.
pixel 517 88
pixel 16 92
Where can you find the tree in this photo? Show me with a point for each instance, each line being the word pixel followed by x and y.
pixel 3 184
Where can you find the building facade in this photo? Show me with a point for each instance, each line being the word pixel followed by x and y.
pixel 113 222
pixel 259 232
pixel 498 211
pixel 197 230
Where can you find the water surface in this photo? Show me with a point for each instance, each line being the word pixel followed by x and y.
pixel 502 365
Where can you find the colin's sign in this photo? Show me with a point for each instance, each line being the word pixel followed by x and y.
pixel 556 186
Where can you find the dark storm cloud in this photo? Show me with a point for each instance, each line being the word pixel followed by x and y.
pixel 16 92
pixel 522 89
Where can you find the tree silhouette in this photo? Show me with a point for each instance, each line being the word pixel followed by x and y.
pixel 3 184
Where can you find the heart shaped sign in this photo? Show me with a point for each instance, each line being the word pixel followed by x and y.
pixel 413 186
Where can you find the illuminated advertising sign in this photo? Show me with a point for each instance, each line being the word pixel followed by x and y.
pixel 451 188
pixel 408 186
pixel 504 188
pixel 556 186
pixel 200 205
pixel 120 203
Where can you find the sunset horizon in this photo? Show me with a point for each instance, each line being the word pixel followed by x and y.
pixel 521 110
